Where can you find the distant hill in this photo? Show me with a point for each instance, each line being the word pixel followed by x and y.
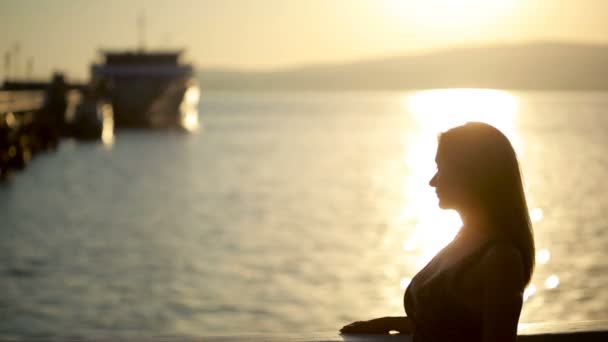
pixel 546 66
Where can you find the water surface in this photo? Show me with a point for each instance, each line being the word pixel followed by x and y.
pixel 289 213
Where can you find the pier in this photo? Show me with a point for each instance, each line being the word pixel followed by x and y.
pixel 21 101
pixel 34 116
pixel 25 129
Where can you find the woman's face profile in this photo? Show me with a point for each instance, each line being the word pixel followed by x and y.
pixel 447 184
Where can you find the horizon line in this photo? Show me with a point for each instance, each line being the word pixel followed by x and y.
pixel 418 53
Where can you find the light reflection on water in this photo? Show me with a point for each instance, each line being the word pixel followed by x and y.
pixel 436 111
pixel 552 282
pixel 529 292
pixel 107 129
pixel 543 256
pixel 292 212
pixel 189 116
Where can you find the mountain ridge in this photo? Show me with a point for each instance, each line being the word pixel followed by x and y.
pixel 525 66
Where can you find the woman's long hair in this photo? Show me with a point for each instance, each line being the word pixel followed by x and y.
pixel 487 164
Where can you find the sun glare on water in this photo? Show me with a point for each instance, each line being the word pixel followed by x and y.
pixel 435 111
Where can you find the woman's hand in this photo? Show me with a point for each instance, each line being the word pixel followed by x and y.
pixel 383 325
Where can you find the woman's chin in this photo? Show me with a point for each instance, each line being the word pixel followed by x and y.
pixel 444 205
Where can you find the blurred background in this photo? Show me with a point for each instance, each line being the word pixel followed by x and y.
pixel 240 166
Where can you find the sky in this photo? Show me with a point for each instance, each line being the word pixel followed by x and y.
pixel 67 35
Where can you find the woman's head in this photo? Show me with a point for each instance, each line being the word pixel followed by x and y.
pixel 478 174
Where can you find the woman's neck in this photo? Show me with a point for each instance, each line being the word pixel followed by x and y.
pixel 476 227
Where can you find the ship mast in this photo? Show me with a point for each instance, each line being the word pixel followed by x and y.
pixel 141 31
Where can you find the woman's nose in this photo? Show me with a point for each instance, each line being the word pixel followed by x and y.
pixel 433 181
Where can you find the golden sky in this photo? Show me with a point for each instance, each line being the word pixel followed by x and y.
pixel 263 34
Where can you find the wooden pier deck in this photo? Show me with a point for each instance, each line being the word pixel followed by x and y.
pixel 20 101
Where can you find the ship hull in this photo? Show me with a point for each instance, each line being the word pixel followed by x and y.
pixel 147 103
pixel 148 95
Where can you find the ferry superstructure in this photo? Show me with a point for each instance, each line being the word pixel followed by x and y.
pixel 148 89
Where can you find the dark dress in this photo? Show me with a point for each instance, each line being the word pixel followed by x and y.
pixel 444 299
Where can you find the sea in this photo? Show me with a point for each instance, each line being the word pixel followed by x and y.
pixel 289 212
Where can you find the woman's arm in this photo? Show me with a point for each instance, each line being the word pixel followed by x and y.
pixel 383 325
pixel 502 297
pixel 403 325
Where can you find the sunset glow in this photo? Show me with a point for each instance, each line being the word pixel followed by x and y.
pixel 449 15
pixel 247 35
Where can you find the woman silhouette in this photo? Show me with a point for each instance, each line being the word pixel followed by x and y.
pixel 472 290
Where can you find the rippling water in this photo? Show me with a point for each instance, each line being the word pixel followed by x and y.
pixel 289 212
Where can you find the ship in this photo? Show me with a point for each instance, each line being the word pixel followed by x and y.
pixel 148 89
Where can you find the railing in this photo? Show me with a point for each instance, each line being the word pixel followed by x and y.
pixel 589 331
